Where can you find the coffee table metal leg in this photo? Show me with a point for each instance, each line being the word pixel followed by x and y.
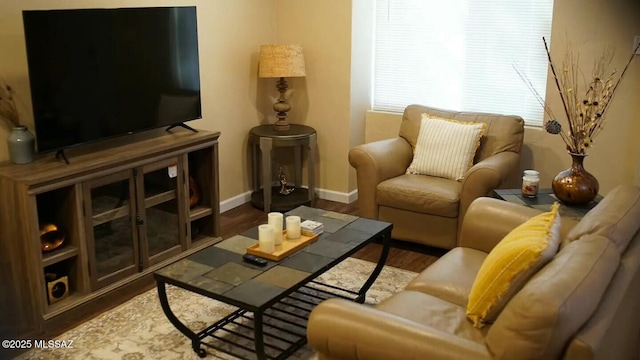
pixel 259 336
pixel 362 294
pixel 164 302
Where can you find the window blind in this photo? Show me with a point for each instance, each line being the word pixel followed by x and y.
pixel 460 55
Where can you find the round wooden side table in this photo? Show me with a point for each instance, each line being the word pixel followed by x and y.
pixel 263 139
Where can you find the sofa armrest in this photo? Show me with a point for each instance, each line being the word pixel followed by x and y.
pixel 375 162
pixel 485 176
pixel 342 329
pixel 488 220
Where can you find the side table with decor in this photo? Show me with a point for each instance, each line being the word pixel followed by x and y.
pixel 544 200
pixel 263 139
pixel 585 103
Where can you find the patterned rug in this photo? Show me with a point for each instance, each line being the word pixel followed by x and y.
pixel 138 329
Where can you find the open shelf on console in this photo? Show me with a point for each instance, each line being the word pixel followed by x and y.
pixel 64 253
pixel 199 212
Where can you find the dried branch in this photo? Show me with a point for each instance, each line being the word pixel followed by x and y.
pixel 8 110
pixel 535 93
pixel 555 77
pixel 585 109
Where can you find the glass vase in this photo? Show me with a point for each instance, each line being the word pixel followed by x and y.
pixel 575 186
pixel 22 149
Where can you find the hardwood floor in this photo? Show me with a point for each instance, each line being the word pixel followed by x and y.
pixel 403 255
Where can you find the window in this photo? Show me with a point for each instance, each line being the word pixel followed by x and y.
pixel 460 55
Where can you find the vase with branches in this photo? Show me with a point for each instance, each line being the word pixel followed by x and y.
pixel 585 101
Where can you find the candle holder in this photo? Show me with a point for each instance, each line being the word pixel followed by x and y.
pixel 293 227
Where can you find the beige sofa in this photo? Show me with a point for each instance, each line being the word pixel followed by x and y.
pixel 584 304
pixel 427 209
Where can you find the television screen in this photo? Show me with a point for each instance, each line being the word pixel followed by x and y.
pixel 100 73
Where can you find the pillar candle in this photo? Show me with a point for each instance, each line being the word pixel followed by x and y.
pixel 275 220
pixel 293 227
pixel 265 239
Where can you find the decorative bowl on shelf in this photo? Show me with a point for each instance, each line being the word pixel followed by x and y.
pixel 194 192
pixel 51 237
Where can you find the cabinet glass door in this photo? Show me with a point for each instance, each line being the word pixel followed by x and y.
pixel 112 234
pixel 162 235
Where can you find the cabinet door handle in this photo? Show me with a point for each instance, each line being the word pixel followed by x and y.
pixel 139 221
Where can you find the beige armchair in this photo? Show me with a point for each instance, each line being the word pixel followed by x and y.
pixel 427 209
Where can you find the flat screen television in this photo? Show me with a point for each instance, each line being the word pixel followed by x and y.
pixel 101 73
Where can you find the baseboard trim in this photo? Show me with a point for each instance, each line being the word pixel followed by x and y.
pixel 235 201
pixel 342 197
pixel 353 196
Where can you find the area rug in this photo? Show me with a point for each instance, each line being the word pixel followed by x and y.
pixel 138 329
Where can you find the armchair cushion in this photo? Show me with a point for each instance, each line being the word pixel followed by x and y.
pixel 340 329
pixel 451 277
pixel 421 194
pixel 431 311
pixel 511 263
pixel 445 148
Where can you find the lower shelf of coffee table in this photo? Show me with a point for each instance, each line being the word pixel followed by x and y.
pixel 284 324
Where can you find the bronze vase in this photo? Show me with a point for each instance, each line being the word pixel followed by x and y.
pixel 575 186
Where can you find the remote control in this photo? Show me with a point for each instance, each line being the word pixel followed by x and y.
pixel 254 260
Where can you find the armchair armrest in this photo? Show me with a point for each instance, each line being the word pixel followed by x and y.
pixel 485 176
pixel 488 220
pixel 345 330
pixel 375 162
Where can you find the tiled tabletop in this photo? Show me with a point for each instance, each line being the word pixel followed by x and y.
pixel 220 272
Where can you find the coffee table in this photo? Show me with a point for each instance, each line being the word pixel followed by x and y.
pixel 274 301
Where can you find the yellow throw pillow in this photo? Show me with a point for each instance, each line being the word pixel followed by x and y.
pixel 445 148
pixel 511 263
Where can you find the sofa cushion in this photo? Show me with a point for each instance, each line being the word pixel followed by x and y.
pixel 512 262
pixel 556 302
pixel 445 148
pixel 421 194
pixel 450 278
pixel 616 217
pixel 431 311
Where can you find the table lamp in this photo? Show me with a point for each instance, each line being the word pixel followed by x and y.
pixel 281 61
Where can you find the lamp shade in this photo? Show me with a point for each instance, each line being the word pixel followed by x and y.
pixel 281 61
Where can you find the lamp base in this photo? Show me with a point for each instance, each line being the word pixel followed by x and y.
pixel 281 107
pixel 281 126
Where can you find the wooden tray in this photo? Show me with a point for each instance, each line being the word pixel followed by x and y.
pixel 288 247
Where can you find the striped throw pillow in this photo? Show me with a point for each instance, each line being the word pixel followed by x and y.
pixel 445 148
